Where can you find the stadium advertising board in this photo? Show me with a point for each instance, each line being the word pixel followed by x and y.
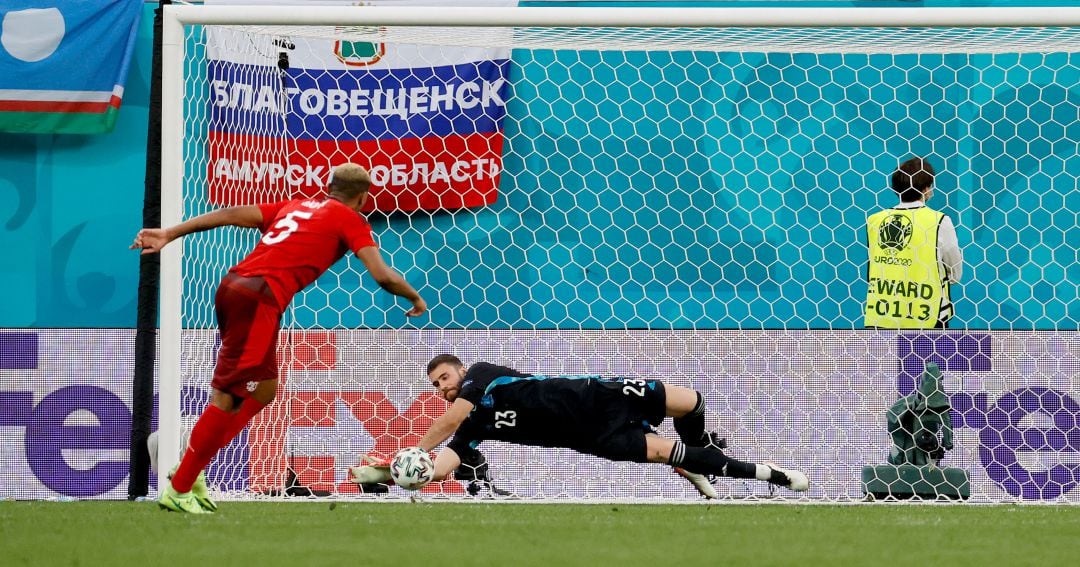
pixel 65 413
pixel 812 399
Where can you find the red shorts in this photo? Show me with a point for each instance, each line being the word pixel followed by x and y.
pixel 249 319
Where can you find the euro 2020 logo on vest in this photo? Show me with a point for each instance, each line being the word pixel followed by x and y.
pixel 894 234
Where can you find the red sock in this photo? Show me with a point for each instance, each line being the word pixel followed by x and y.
pixel 202 447
pixel 240 419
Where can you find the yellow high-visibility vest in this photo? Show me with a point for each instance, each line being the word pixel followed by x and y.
pixel 905 281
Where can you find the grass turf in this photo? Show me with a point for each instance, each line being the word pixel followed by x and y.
pixel 518 535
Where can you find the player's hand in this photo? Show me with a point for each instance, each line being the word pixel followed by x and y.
pixel 418 308
pixel 369 475
pixel 373 461
pixel 151 240
pixel 374 470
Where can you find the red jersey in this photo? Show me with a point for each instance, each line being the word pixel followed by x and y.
pixel 301 239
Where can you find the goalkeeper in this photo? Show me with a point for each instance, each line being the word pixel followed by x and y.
pixel 610 418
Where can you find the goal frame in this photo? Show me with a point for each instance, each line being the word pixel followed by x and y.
pixel 176 17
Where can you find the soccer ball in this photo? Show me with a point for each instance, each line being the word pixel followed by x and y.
pixel 412 468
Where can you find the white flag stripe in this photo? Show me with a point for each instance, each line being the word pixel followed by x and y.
pixel 225 44
pixel 397 56
pixel 228 44
pixel 57 96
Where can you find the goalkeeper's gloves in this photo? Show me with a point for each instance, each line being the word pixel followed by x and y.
pixel 373 470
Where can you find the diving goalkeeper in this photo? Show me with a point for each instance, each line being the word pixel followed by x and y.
pixel 613 418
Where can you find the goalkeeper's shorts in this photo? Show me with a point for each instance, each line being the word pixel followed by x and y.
pixel 624 412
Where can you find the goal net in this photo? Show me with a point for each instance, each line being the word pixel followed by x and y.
pixel 672 194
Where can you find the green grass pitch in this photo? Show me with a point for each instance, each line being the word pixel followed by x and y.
pixel 518 535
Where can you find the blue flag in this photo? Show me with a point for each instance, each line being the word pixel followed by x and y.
pixel 63 64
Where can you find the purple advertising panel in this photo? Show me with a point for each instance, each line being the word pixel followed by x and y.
pixel 65 413
pixel 815 400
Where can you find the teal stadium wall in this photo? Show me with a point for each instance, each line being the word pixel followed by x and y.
pixel 69 205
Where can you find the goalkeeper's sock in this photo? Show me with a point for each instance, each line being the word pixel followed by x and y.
pixel 691 427
pixel 202 447
pixel 706 460
pixel 765 472
pixel 247 410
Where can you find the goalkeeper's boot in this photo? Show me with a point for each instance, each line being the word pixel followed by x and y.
pixel 199 491
pixel 700 482
pixel 173 501
pixel 788 478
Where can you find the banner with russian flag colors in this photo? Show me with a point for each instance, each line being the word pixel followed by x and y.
pixel 63 64
pixel 426 120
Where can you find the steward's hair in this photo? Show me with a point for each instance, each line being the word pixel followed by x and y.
pixel 912 178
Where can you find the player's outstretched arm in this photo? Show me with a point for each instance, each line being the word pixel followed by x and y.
pixel 446 462
pixel 152 240
pixel 390 280
pixel 446 425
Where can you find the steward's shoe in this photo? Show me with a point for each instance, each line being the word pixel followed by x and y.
pixel 173 501
pixel 700 482
pixel 788 478
pixel 199 490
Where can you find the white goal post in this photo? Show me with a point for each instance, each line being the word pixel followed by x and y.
pixel 644 192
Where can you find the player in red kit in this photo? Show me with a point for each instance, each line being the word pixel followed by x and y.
pixel 301 239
